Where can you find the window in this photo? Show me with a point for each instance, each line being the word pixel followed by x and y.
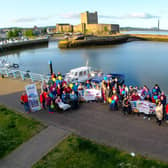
pixel 76 73
pixel 84 72
pixel 80 73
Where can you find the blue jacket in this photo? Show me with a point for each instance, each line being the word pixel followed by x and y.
pixel 73 97
pixel 64 97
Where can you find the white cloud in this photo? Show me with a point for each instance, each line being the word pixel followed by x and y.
pixel 31 19
pixel 131 16
pixel 141 16
pixel 70 15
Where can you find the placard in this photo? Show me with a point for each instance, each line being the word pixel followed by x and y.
pixel 90 94
pixel 33 97
pixel 143 107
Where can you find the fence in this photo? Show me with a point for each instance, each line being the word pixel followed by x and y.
pixel 14 73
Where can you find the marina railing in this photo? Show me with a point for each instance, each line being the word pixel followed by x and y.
pixel 24 75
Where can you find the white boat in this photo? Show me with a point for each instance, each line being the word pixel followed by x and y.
pixel 80 74
pixel 5 64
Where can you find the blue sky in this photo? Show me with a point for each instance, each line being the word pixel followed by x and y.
pixel 137 13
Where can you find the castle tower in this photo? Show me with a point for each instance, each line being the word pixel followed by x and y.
pixel 89 18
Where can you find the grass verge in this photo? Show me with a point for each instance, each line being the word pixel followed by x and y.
pixel 15 129
pixel 77 152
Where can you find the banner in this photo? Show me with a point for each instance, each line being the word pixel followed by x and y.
pixel 33 98
pixel 90 94
pixel 143 107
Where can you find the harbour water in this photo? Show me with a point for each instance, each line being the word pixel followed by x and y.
pixel 142 62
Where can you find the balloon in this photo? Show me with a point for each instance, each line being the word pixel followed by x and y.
pixel 113 101
pixel 105 78
pixel 155 97
pixel 52 106
pixel 109 100
pixel 59 77
pixel 123 92
pixel 54 79
pixel 71 85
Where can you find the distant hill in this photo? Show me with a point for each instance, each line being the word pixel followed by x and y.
pixel 42 27
pixel 140 29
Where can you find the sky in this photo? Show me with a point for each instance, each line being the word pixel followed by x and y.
pixel 132 13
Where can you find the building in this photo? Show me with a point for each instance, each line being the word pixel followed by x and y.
pixel 51 30
pixel 4 33
pixel 89 18
pixel 37 31
pixel 61 28
pixel 89 25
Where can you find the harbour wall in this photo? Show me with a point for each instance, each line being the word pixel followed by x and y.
pixel 23 44
pixel 93 41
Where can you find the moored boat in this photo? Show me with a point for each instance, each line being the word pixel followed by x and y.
pixel 81 74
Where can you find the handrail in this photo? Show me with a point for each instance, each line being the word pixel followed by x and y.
pixel 15 73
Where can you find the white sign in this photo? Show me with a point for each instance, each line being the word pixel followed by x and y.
pixel 91 94
pixel 33 97
pixel 143 106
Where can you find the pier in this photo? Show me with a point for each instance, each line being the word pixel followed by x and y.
pixel 93 41
pixel 23 44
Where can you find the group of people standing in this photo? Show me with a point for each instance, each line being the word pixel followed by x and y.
pixel 119 95
pixel 57 94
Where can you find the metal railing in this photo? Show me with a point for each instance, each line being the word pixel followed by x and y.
pixel 14 73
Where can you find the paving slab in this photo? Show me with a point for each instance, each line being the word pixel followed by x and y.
pixel 33 150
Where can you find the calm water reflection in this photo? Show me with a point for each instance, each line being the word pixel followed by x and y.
pixel 141 62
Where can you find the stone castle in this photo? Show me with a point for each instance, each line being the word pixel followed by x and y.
pixel 89 25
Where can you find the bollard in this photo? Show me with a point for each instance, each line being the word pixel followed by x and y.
pixel 50 66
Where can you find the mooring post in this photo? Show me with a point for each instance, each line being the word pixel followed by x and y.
pixel 50 66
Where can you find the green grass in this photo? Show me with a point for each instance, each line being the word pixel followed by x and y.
pixel 76 152
pixel 15 129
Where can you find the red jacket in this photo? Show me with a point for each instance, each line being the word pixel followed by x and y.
pixel 115 97
pixel 167 109
pixel 41 98
pixel 24 98
pixel 135 97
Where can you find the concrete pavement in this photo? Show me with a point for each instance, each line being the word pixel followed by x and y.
pixel 33 150
pixel 95 121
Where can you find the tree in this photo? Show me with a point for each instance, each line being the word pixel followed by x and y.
pixel 14 33
pixel 45 30
pixel 28 33
pixel 85 31
pixel 105 29
pixel 10 34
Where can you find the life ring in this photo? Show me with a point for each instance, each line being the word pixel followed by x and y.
pixel 15 65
